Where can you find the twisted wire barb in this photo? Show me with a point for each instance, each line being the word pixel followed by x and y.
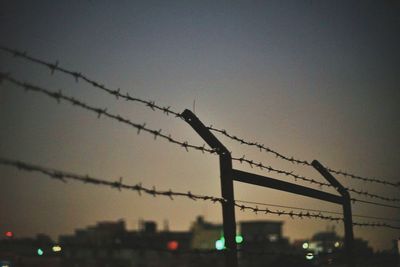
pixel 64 176
pixel 167 110
pixel 102 111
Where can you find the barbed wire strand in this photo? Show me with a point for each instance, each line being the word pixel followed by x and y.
pixel 296 177
pixel 316 210
pixel 78 75
pixel 103 112
pixel 64 176
pixel 374 203
pixel 167 110
pixel 119 185
pixel 292 159
pixel 308 214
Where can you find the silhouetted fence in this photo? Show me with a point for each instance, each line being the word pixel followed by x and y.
pixel 227 173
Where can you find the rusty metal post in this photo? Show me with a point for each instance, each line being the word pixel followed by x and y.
pixel 225 163
pixel 347 216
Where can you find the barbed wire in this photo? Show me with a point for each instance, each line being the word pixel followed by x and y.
pixel 296 177
pixel 262 166
pixel 364 179
pixel 59 96
pixel 64 176
pixel 374 203
pixel 78 75
pixel 367 194
pixel 103 111
pixel 309 215
pixel 167 110
pixel 315 210
pixel 292 159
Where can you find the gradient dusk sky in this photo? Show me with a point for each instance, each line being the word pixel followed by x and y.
pixel 310 79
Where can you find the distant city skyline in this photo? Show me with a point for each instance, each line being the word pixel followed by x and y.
pixel 261 242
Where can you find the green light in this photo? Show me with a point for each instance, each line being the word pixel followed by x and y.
pixel 40 252
pixel 239 239
pixel 220 244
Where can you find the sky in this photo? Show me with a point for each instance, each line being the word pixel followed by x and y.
pixel 310 79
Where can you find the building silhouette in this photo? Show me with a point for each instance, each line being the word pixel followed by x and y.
pixel 110 244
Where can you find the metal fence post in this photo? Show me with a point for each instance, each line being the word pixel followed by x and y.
pixel 228 175
pixel 347 216
pixel 225 163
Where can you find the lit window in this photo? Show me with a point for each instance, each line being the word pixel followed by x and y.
pixel 56 248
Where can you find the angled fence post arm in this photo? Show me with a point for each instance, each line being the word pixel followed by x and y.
pixel 348 220
pixel 226 178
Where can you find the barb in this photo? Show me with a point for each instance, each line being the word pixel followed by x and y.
pixel 296 177
pixel 103 112
pixel 79 76
pixel 64 176
pixel 167 110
